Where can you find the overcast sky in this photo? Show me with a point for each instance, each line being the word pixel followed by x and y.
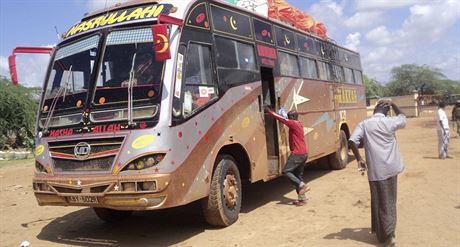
pixel 387 33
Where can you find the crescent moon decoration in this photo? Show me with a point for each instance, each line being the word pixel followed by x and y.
pixel 165 43
pixel 287 39
pixel 233 23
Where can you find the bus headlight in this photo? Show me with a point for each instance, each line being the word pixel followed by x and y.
pixel 144 162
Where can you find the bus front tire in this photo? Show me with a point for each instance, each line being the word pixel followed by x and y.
pixel 111 215
pixel 339 159
pixel 223 205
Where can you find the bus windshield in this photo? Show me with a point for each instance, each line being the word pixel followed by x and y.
pixel 72 67
pixel 69 80
pixel 128 57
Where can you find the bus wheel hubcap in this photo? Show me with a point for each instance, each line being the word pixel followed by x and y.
pixel 230 190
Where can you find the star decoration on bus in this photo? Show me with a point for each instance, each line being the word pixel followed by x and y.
pixel 307 130
pixel 297 98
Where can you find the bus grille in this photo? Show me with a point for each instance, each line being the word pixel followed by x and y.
pixel 103 152
pixel 100 164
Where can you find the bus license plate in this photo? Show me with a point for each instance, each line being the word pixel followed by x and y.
pixel 83 199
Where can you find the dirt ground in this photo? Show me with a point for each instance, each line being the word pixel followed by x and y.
pixel 338 213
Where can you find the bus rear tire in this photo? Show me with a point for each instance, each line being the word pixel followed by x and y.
pixel 223 205
pixel 111 215
pixel 339 159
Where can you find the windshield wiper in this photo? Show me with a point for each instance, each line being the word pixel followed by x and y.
pixel 62 90
pixel 130 92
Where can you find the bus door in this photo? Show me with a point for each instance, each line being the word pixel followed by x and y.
pixel 268 98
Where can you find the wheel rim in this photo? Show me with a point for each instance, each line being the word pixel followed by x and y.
pixel 230 190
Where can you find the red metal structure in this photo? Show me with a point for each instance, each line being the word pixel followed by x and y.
pixel 24 49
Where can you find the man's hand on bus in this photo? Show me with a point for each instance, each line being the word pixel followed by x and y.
pixel 267 109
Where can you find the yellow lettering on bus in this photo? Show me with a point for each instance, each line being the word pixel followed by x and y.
pixel 88 25
pixel 135 14
pixel 72 31
pixel 145 10
pixel 109 19
pixel 97 22
pixel 80 27
pixel 121 18
pixel 155 11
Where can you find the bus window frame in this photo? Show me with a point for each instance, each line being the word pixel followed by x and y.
pixel 63 111
pixel 225 86
pixel 181 118
pixel 297 61
pixel 316 67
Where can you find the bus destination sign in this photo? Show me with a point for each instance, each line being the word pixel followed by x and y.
pixel 120 16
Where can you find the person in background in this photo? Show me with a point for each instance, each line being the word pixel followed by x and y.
pixel 443 131
pixel 456 116
pixel 383 164
pixel 294 167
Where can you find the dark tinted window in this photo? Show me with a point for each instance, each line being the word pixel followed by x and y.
pixel 285 38
pixel 199 88
pixel 263 31
pixel 230 22
pixel 234 54
pixel 198 17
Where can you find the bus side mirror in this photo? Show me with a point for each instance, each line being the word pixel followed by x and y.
pixel 24 49
pixel 161 42
pixel 13 72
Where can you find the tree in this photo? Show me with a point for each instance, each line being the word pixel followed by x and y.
pixel 18 111
pixel 408 78
pixel 447 87
pixel 373 87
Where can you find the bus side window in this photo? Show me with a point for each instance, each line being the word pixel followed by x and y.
pixel 288 64
pixel 338 73
pixel 324 71
pixel 358 77
pixel 308 68
pixel 199 88
pixel 349 75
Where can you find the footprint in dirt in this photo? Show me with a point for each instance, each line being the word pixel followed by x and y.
pixel 361 204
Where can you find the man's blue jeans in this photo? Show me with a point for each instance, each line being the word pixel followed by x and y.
pixel 294 169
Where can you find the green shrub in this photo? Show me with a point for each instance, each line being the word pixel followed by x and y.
pixel 17 115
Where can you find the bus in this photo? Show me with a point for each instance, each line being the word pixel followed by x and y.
pixel 151 105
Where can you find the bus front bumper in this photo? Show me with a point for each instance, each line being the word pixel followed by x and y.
pixel 139 193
